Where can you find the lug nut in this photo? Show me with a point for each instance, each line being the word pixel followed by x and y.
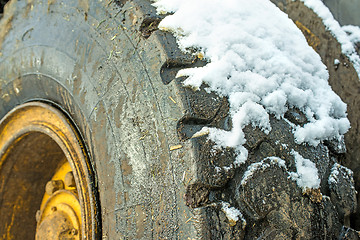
pixel 53 186
pixel 69 180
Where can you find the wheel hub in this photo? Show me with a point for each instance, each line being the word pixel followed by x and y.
pixel 59 216
pixel 56 225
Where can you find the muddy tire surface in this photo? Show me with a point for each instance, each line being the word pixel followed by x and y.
pixel 107 66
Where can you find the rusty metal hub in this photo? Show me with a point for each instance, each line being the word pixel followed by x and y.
pixel 45 179
pixel 59 216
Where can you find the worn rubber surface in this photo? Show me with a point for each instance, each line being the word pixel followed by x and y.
pixel 106 65
pixel 91 60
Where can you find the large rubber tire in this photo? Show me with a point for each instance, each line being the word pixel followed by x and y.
pixel 91 60
pixel 105 64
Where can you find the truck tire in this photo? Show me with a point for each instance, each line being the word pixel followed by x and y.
pixel 106 68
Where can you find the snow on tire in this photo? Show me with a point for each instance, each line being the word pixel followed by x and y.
pixel 185 142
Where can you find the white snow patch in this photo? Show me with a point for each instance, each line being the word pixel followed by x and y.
pixel 347 41
pixel 218 169
pixel 284 145
pixel 262 165
pixel 227 168
pixel 336 61
pixel 260 60
pixel 306 175
pixel 353 33
pixel 334 174
pixel 333 178
pixel 231 213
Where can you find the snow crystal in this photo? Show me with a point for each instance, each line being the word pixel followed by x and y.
pixel 231 213
pixel 306 175
pixel 260 60
pixel 340 33
pixel 284 145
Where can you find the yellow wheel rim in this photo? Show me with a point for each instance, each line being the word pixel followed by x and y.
pixel 40 151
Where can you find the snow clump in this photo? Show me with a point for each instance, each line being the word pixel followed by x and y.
pixel 306 175
pixel 261 62
pixel 232 214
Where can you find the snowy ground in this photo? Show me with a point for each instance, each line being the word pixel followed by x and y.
pixel 260 60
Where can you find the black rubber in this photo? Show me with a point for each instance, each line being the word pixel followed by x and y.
pixel 100 63
pixel 109 68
